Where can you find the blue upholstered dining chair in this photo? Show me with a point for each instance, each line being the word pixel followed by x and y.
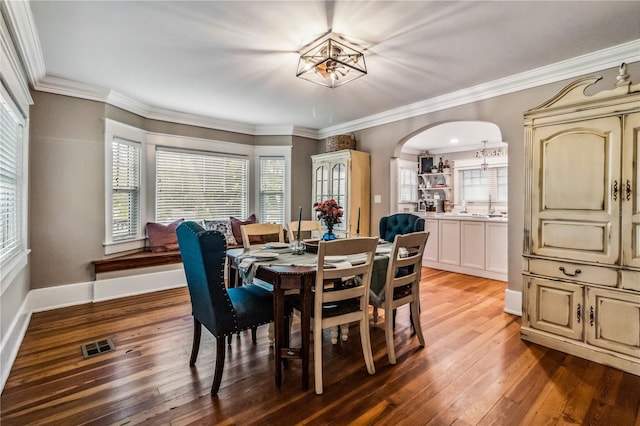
pixel 400 223
pixel 222 311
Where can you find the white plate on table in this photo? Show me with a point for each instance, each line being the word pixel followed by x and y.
pixel 264 256
pixel 335 259
pixel 384 249
pixel 277 245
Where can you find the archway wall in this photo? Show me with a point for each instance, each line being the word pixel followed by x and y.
pixel 384 142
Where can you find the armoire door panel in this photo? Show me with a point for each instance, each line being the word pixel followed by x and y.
pixel 630 191
pixel 614 321
pixel 574 165
pixel 576 236
pixel 556 307
pixel 576 214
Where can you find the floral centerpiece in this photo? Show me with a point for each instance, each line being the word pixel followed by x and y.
pixel 331 213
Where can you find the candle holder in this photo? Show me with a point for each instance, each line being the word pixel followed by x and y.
pixel 297 247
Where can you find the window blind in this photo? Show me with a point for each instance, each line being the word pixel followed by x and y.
pixel 126 189
pixel 196 185
pixel 10 180
pixel 272 186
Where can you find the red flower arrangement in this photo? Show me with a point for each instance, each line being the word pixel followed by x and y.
pixel 329 211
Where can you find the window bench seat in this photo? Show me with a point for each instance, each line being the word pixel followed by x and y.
pixel 141 259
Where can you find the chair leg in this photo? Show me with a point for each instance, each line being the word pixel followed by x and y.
pixel 366 343
pixel 344 332
pixel 375 315
pixel 197 332
pixel 389 325
pixel 317 355
pixel 271 334
pixel 415 320
pixel 217 376
pixel 254 332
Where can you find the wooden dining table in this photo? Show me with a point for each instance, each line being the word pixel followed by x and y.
pixel 292 273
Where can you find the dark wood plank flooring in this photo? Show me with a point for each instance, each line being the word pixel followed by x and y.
pixel 474 370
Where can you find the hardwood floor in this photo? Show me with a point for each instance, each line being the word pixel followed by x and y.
pixel 473 370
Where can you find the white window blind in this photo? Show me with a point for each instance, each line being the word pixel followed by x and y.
pixel 272 185
pixel 478 185
pixel 408 185
pixel 125 177
pixel 11 126
pixel 196 185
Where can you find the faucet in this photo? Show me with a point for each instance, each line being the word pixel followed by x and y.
pixel 491 209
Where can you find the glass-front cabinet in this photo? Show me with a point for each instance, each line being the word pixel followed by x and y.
pixel 344 176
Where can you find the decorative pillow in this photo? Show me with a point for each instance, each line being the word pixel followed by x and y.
pixel 222 226
pixel 163 237
pixel 237 223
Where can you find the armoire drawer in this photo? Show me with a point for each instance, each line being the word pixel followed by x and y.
pixel 574 271
pixel 631 280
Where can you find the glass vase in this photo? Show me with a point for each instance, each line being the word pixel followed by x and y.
pixel 329 235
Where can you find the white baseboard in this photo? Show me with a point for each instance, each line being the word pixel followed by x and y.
pixel 12 340
pixel 513 302
pixel 114 288
pixel 45 299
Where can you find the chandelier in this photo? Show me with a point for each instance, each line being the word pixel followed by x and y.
pixel 331 64
pixel 484 167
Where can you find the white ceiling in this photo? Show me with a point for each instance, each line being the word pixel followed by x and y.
pixel 237 60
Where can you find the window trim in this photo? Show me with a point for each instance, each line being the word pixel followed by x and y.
pixel 272 151
pixel 150 141
pixel 115 129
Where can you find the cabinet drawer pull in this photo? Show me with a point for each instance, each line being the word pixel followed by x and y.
pixel 576 272
pixel 592 316
pixel 579 313
pixel 628 190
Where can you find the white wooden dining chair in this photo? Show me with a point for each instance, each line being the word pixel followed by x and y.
pixel 312 226
pixel 260 230
pixel 402 285
pixel 334 306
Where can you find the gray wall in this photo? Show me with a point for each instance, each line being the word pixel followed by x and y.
pixel 67 170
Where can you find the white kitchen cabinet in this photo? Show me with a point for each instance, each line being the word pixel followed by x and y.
pixel 344 176
pixel 431 248
pixel 496 251
pixel 472 244
pixel 468 245
pixel 582 224
pixel 449 242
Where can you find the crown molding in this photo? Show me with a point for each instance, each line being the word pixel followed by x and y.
pixel 27 42
pixel 23 29
pixel 596 61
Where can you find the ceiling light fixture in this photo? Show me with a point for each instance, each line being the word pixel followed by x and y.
pixel 331 64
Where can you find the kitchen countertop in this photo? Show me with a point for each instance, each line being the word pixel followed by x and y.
pixel 467 216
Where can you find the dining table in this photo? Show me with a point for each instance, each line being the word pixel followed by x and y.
pixel 288 272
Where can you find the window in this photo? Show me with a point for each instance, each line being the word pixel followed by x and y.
pixel 11 205
pixel 197 185
pixel 477 186
pixel 125 175
pixel 272 187
pixel 408 185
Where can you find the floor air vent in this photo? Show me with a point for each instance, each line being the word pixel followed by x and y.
pixel 96 348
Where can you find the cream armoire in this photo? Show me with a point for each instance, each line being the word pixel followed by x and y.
pixel 581 269
pixel 344 176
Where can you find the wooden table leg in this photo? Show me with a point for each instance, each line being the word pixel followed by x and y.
pixel 305 328
pixel 279 326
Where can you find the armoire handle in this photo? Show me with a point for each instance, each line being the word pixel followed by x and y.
pixel 579 313
pixel 615 190
pixel 575 273
pixel 628 190
pixel 592 316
